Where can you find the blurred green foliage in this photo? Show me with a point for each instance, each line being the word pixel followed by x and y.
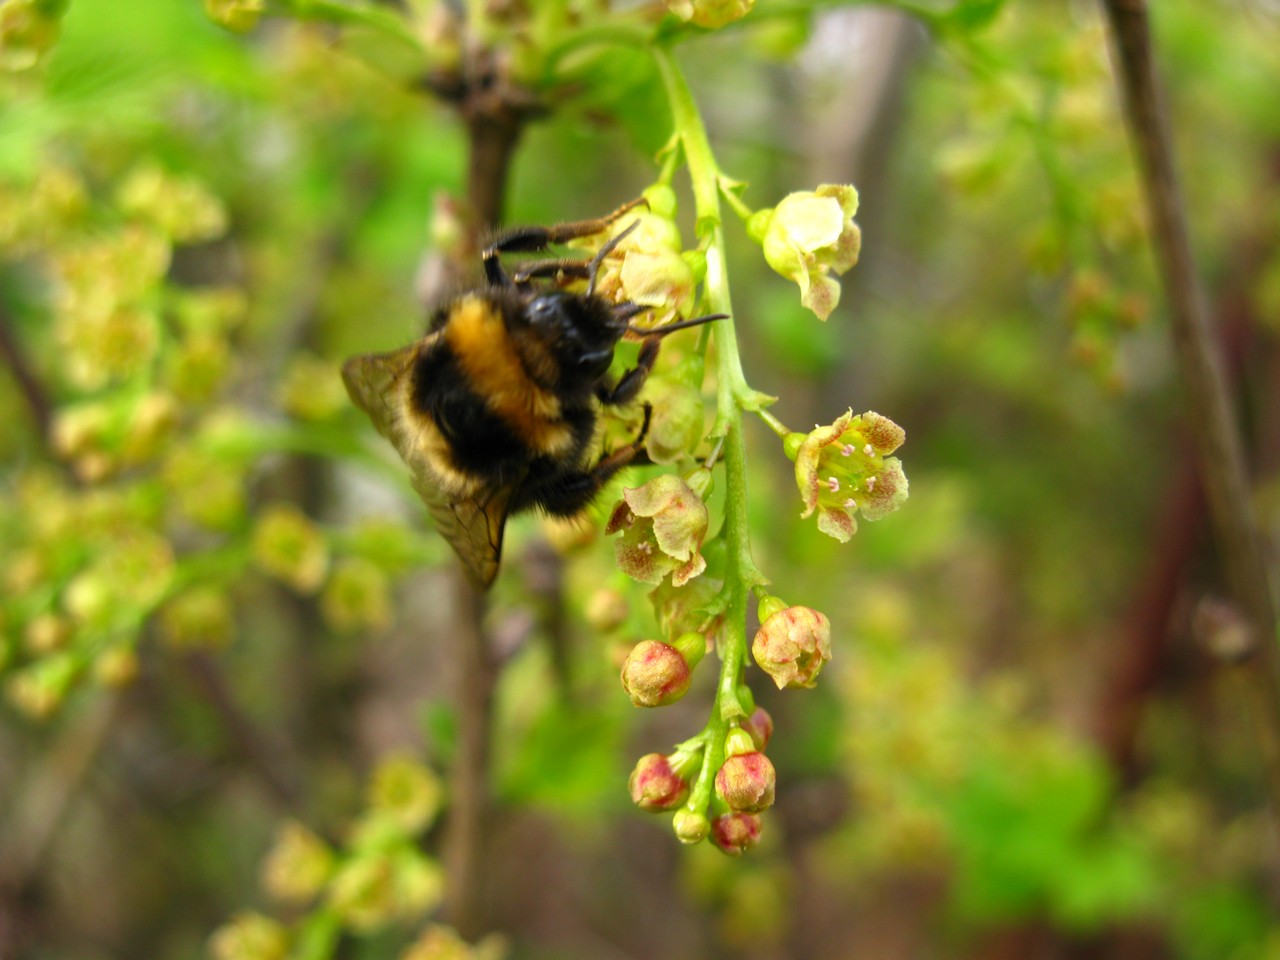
pixel 196 227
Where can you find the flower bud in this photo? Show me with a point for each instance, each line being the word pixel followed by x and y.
pixel 655 674
pixel 312 389
pixel 198 618
pixel 690 826
pixel 746 782
pixel 357 596
pixel 298 865
pixel 676 426
pixel 116 666
pixel 710 13
pixel 249 936
pixel 654 785
pixel 700 482
pixel 692 646
pixel 661 200
pixel 738 741
pixel 735 833
pixel 406 791
pixel 792 645
pixel 363 892
pixel 236 15
pixel 289 545
pixel 760 726
pixel 46 633
pixel 607 609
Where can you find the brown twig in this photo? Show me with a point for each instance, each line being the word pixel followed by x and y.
pixel 34 815
pixel 265 755
pixel 495 112
pixel 1219 445
pixel 468 826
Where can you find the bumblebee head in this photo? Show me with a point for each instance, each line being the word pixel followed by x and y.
pixel 579 331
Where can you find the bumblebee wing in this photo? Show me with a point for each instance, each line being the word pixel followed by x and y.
pixel 373 382
pixel 473 523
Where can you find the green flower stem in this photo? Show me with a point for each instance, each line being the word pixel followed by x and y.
pixel 617 32
pixel 774 424
pixel 735 202
pixel 732 395
pixel 362 14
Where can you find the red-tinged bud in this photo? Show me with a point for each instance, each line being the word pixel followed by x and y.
pixel 760 726
pixel 735 833
pixel 654 785
pixel 690 826
pixel 792 645
pixel 746 782
pixel 655 674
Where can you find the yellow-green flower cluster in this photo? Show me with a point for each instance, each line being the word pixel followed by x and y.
pixel 377 877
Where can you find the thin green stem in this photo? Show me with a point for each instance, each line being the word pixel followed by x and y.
pixel 363 14
pixel 732 391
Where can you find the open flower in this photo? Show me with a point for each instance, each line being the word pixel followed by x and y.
pixel 647 267
pixel 844 468
pixel 662 524
pixel 807 237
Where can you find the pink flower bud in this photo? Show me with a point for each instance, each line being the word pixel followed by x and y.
pixel 735 833
pixel 746 782
pixel 655 674
pixel 654 785
pixel 792 645
pixel 760 726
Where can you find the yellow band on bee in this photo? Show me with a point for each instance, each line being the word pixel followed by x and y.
pixel 479 340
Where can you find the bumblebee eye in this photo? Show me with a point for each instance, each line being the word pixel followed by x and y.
pixel 544 313
pixel 595 363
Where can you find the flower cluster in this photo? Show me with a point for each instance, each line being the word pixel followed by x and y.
pixel 717 784
pixel 377 878
pixel 147 519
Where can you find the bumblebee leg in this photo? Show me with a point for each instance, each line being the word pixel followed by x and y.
pixel 571 269
pixel 629 384
pixel 566 494
pixel 531 239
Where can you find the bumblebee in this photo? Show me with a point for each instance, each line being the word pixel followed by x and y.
pixel 496 409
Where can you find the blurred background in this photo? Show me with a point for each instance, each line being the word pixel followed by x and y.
pixel 222 609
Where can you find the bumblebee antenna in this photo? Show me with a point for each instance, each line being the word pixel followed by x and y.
pixel 673 327
pixel 594 266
